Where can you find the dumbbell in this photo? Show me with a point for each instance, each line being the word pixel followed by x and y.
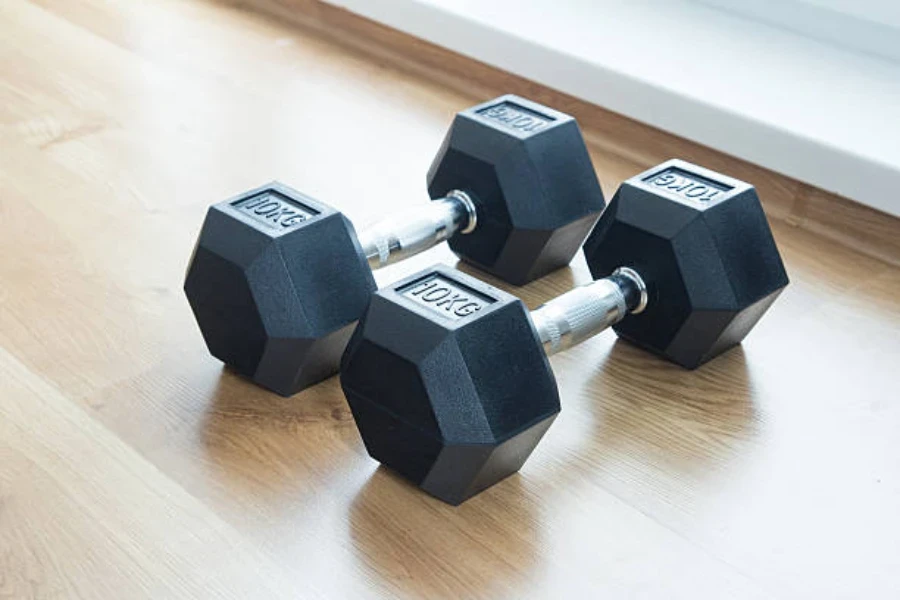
pixel 448 378
pixel 277 279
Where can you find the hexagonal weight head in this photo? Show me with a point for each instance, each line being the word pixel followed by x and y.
pixel 703 245
pixel 276 282
pixel 529 173
pixel 448 383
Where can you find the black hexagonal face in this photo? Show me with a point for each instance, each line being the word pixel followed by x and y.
pixel 276 282
pixel 448 383
pixel 702 243
pixel 528 170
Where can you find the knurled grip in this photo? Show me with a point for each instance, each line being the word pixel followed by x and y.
pixel 579 314
pixel 417 230
pixel 589 309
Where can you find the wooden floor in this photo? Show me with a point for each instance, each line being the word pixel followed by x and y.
pixel 133 466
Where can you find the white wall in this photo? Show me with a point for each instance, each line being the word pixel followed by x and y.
pixel 871 26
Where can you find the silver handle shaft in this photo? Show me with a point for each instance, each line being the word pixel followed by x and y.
pixel 417 230
pixel 587 310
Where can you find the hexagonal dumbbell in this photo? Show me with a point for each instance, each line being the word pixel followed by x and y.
pixel 447 376
pixel 703 245
pixel 277 279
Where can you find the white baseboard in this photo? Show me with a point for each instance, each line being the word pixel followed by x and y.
pixel 817 112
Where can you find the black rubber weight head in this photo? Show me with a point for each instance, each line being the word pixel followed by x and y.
pixel 703 245
pixel 276 282
pixel 448 383
pixel 528 170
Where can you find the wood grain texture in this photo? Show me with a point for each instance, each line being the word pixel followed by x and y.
pixel 133 465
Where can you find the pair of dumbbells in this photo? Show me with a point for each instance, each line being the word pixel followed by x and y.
pixel 447 377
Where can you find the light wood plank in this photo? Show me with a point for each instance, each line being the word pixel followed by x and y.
pixel 84 516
